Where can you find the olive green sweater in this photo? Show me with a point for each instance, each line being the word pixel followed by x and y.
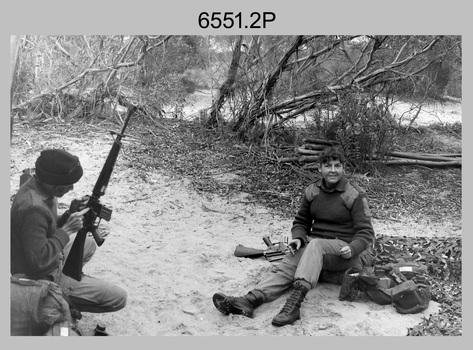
pixel 342 213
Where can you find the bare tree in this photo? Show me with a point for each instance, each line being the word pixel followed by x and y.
pixel 85 68
pixel 314 70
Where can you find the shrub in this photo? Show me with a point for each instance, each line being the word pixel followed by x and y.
pixel 365 129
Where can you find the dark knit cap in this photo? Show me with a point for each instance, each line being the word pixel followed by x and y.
pixel 58 167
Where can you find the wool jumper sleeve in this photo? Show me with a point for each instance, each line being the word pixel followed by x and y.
pixel 364 233
pixel 42 242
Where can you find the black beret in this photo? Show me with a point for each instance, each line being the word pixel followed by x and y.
pixel 58 167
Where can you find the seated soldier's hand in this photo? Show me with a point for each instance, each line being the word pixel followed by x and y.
pixel 74 222
pixel 345 252
pixel 295 244
pixel 78 204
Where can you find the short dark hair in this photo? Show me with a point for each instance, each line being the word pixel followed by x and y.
pixel 331 153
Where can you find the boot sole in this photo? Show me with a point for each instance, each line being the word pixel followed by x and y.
pixel 223 305
pixel 280 324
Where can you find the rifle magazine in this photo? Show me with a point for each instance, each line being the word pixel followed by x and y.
pixel 274 255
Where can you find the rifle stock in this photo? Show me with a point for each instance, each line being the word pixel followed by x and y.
pixel 271 254
pixel 74 262
pixel 245 252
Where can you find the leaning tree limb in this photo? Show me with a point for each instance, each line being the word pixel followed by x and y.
pixel 256 111
pixel 362 80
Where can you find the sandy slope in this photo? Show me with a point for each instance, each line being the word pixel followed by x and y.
pixel 172 248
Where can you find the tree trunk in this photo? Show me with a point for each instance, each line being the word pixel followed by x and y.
pixel 227 87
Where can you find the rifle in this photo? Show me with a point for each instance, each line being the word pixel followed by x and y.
pixel 73 265
pixel 274 252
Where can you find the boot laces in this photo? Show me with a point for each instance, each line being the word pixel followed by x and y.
pixel 293 301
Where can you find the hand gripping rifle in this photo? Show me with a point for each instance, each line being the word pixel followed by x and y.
pixel 73 265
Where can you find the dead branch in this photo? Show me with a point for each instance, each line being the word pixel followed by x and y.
pixel 314 147
pixel 288 159
pixel 300 150
pixel 62 50
pixel 430 157
pixel 311 166
pixel 321 141
pixel 451 155
pixel 303 159
pixel 423 162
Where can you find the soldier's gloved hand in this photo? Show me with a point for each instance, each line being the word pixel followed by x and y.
pixel 78 204
pixel 345 252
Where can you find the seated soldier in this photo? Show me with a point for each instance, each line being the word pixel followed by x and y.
pixel 41 241
pixel 332 231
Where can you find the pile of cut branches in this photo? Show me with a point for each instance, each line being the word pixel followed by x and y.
pixel 308 155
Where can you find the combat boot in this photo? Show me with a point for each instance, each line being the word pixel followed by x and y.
pixel 291 310
pixel 237 305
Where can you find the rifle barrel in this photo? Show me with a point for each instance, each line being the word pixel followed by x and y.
pixel 127 119
pixel 104 177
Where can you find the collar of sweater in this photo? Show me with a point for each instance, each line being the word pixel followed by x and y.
pixel 340 186
pixel 41 190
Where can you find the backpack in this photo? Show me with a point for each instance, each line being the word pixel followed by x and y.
pixel 36 306
pixel 403 284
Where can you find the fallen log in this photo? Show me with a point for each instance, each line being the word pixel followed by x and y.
pixel 451 155
pixel 321 142
pixel 313 146
pixel 311 166
pixel 301 150
pixel 425 163
pixel 303 159
pixel 288 159
pixel 430 157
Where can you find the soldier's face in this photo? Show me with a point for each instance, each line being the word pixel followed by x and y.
pixel 332 172
pixel 59 191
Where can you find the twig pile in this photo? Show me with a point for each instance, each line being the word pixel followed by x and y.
pixel 309 152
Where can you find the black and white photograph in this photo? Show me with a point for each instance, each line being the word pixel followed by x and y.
pixel 236 185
